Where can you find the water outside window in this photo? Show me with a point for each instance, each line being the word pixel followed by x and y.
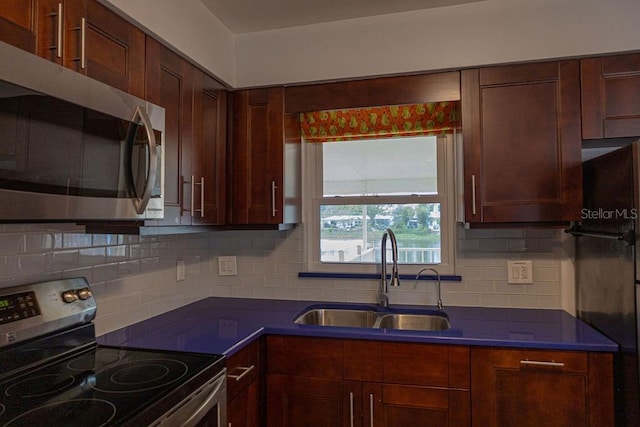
pixel 398 169
pixel 353 233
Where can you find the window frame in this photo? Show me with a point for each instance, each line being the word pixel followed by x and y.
pixel 313 198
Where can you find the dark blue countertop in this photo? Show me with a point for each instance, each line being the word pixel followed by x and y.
pixel 225 325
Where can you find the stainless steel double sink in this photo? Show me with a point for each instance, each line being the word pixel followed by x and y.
pixel 413 320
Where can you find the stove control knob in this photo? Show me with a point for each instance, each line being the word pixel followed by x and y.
pixel 69 296
pixel 84 293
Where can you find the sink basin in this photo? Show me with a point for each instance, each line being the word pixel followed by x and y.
pixel 366 318
pixel 338 317
pixel 414 322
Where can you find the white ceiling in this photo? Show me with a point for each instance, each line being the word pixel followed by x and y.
pixel 246 16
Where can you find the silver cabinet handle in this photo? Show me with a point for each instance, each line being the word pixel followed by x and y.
pixel 351 409
pixel 193 198
pixel 142 116
pixel 473 194
pixel 245 372
pixel 273 198
pixel 83 43
pixel 551 364
pixel 202 197
pixel 193 202
pixel 59 47
pixel 371 409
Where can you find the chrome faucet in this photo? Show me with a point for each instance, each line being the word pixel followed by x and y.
pixel 383 297
pixel 440 306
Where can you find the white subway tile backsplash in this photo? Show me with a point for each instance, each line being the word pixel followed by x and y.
pixel 26 265
pixel 106 272
pixel 494 300
pixel 41 242
pixel 13 244
pixel 76 240
pixel 501 233
pixel 524 301
pixel 92 256
pixel 133 271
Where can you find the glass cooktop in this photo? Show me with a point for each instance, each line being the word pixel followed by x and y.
pixel 103 386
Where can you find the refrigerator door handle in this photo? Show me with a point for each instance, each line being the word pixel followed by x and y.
pixel 629 236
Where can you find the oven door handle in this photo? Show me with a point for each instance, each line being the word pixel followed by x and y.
pixel 195 407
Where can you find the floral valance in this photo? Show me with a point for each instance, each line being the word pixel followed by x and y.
pixel 380 122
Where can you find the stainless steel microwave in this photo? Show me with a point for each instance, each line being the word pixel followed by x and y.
pixel 73 148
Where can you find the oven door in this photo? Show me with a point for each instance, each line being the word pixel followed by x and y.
pixel 205 407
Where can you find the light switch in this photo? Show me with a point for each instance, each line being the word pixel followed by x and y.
pixel 227 266
pixel 180 270
pixel 519 272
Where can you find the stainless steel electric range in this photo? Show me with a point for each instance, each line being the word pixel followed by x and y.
pixel 52 372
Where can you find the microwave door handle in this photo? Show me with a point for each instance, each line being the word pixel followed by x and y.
pixel 153 162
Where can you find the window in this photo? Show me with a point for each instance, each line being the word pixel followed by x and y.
pixel 357 189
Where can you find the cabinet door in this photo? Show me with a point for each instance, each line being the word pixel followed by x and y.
pixel 610 101
pixel 18 23
pixel 258 156
pixel 390 405
pixel 104 46
pixel 312 402
pixel 534 388
pixel 170 85
pixel 209 152
pixel 242 411
pixel 50 16
pixel 243 386
pixel 522 146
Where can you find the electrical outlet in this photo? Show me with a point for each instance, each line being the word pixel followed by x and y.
pixel 180 270
pixel 519 272
pixel 227 266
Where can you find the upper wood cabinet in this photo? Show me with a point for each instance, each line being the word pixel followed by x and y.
pixel 208 154
pixel 522 146
pixel 195 138
pixel 170 85
pixel 266 151
pixel 18 23
pixel 104 46
pixel 610 96
pixel 82 35
pixel 397 90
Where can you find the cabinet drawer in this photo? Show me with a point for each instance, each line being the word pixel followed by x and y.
pixel 311 357
pixel 427 365
pixel 539 359
pixel 242 370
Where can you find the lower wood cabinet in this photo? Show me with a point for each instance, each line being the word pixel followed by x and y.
pixel 243 387
pixel 322 382
pixel 515 387
pixel 329 382
pixel 392 405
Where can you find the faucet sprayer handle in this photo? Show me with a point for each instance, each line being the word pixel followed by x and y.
pixel 438 284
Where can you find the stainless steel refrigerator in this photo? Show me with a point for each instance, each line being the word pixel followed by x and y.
pixel 607 276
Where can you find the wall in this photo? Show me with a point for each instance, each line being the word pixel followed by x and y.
pixel 486 32
pixel 481 33
pixel 268 264
pixel 187 26
pixel 134 278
